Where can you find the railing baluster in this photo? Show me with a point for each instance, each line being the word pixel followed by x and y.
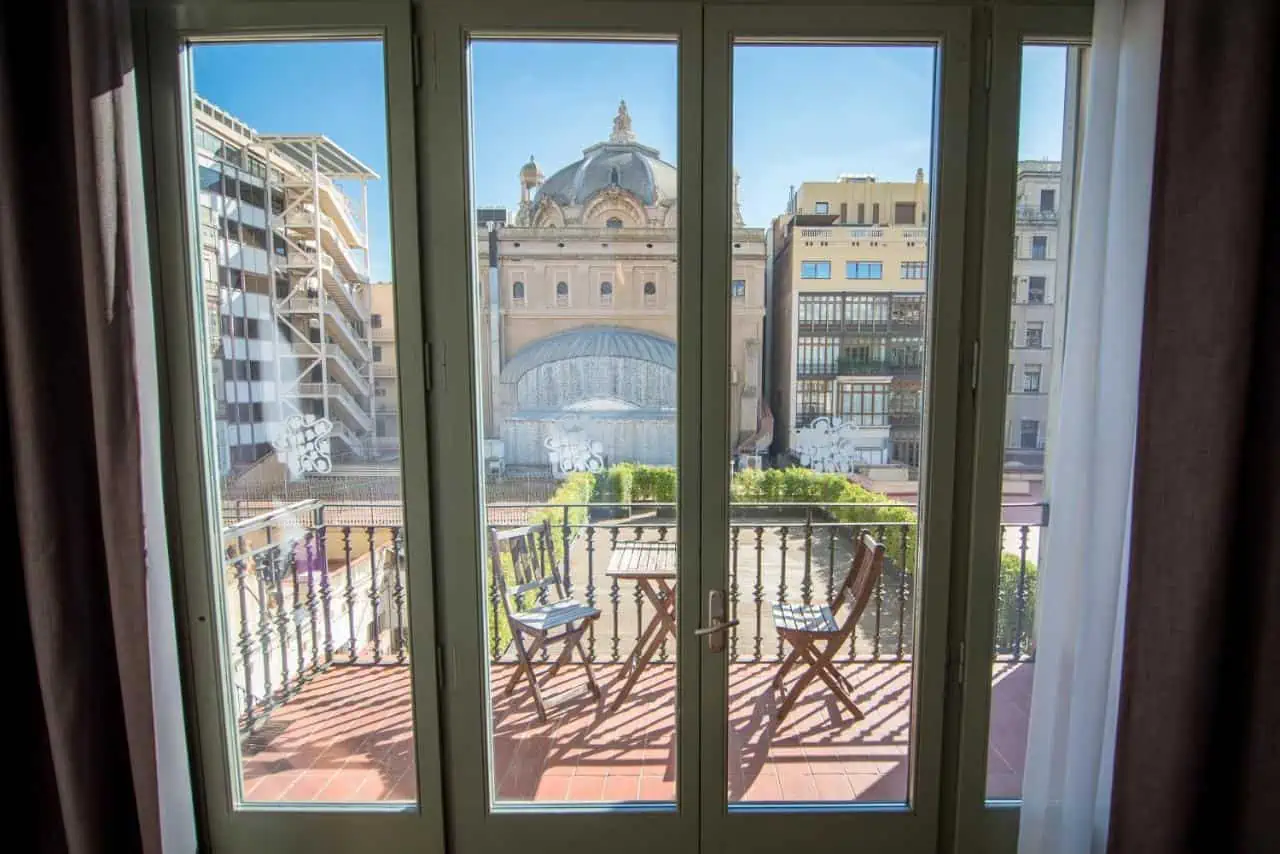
pixel 733 591
pixel 782 576
pixel 246 643
pixel 591 589
pixel 879 597
pixel 831 565
pixel 662 650
pixel 902 592
pixel 806 583
pixel 397 596
pixel 374 597
pixel 282 628
pixel 296 616
pixel 1020 602
pixel 349 595
pixel 757 593
pixel 564 543
pixel 495 634
pixel 313 604
pixel 615 596
pixel 264 633
pixel 326 593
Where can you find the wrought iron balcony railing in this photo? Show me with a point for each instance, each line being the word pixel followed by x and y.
pixel 311 586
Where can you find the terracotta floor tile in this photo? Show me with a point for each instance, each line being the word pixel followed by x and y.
pixel 585 788
pixel 621 787
pixel 347 736
pixel 833 787
pixel 657 789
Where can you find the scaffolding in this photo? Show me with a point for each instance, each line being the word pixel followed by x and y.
pixel 319 273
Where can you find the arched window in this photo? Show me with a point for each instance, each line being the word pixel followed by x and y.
pixel 517 292
pixel 613 222
pixel 613 176
pixel 650 293
pixel 562 293
pixel 606 293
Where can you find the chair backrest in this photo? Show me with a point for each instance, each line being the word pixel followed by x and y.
pixel 860 583
pixel 523 562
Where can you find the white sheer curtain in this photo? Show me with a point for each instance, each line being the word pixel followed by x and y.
pixel 1067 782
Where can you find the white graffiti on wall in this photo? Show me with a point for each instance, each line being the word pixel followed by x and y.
pixel 829 445
pixel 570 450
pixel 303 445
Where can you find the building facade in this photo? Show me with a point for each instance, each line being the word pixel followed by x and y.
pixel 1037 273
pixel 579 313
pixel 285 269
pixel 847 322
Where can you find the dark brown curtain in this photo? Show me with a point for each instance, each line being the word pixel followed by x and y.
pixel 1198 735
pixel 82 759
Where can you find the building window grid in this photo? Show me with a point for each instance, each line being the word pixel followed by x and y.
pixel 913 269
pixel 817 356
pixel 1031 379
pixel 813 400
pixel 815 269
pixel 865 404
pixel 863 270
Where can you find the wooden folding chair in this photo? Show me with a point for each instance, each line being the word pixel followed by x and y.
pixel 525 582
pixel 816 636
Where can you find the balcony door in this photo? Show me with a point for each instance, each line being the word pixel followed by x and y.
pixel 610 194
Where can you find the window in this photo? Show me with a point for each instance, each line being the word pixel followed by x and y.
pixel 862 213
pixel 813 399
pixel 650 293
pixel 1035 334
pixel 821 207
pixel 817 356
pixel 1029 434
pixel 1031 379
pixel 562 293
pixel 1039 247
pixel 875 213
pixel 375 320
pixel 517 292
pixel 1035 289
pixel 863 270
pixel 739 289
pixel 613 221
pixel 904 213
pixel 815 269
pixel 1013 331
pixel 1048 201
pixel 865 404
pixel 912 269
pixel 377 353
pixel 606 293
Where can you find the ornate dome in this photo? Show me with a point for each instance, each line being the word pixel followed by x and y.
pixel 621 163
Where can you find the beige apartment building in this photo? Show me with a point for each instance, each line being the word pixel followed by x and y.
pixel 579 322
pixel 848 322
pixel 285 266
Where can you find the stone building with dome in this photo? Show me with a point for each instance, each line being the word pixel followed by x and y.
pixel 580 314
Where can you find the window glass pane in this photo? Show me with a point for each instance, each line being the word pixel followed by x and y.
pixel 578 398
pixel 833 446
pixel 300 397
pixel 1041 224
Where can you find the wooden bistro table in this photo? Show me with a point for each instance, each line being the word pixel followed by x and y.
pixel 652 566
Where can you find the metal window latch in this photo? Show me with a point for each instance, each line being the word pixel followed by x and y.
pixel 714 633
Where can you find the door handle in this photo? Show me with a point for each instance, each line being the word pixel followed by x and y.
pixel 714 633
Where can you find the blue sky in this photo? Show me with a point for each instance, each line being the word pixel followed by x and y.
pixel 800 112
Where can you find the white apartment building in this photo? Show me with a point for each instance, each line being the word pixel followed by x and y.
pixel 1032 333
pixel 285 268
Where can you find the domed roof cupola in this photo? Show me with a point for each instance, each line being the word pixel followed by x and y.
pixel 620 163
